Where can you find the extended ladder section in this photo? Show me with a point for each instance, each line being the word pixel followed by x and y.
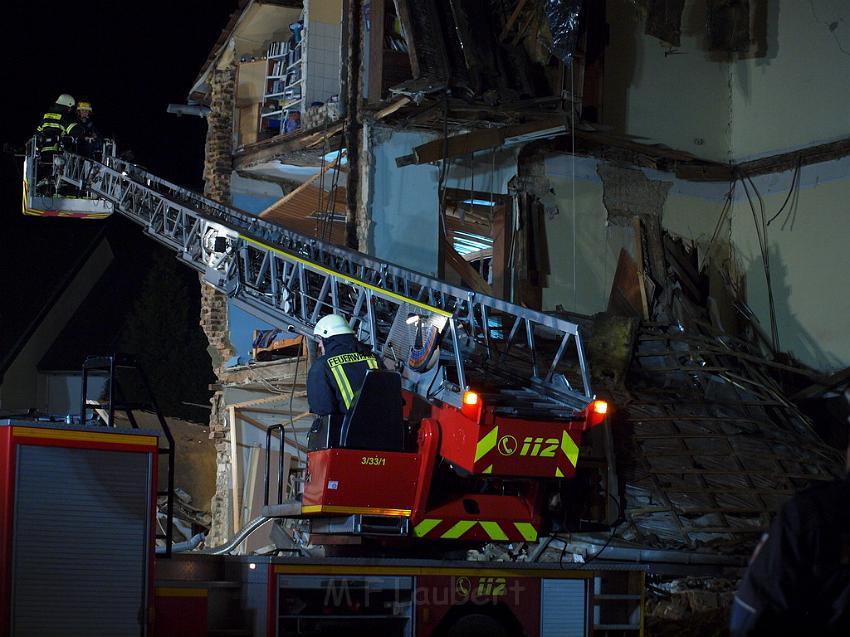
pixel 443 339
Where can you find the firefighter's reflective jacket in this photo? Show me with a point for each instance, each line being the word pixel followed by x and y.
pixel 798 581
pixel 58 122
pixel 336 377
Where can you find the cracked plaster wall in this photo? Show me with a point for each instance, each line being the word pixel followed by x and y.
pixel 807 244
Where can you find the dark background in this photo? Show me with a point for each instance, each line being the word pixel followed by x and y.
pixel 130 60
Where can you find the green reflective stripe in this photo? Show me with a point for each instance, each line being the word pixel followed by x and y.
pixel 50 125
pixel 526 530
pixel 493 530
pixel 373 364
pixel 344 386
pixel 486 444
pixel 70 126
pixel 425 526
pixel 52 116
pixel 569 447
pixel 458 530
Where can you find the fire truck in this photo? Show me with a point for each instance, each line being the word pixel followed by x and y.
pixel 467 434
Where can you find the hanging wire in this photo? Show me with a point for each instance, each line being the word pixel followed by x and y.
pixel 724 213
pixel 573 182
pixel 444 168
pixel 794 186
pixel 759 219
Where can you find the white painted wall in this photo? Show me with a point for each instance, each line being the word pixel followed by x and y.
pixel 583 248
pixel 793 96
pixel 809 262
pixel 798 94
pixel 403 204
pixel 680 100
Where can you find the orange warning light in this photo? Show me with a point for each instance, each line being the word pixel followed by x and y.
pixel 470 398
pixel 600 407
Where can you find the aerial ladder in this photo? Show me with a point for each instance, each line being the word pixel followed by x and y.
pixel 496 396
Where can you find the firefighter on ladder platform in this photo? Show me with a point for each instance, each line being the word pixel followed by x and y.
pixel 337 375
pixel 56 125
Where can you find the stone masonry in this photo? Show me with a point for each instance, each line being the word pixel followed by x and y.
pixel 217 169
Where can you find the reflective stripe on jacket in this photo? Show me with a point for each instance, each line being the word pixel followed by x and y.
pixel 55 124
pixel 336 377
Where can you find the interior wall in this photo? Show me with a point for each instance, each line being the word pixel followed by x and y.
pixel 582 269
pixel 809 261
pixel 583 247
pixel 250 85
pixel 797 94
pixel 402 203
pixel 681 98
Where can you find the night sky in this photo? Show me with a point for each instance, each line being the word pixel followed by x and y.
pixel 130 60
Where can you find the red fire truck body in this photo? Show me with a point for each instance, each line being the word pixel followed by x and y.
pixel 399 597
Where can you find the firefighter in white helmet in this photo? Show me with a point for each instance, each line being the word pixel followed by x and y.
pixel 337 375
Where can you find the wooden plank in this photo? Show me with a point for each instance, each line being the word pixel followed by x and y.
pixel 468 143
pixel 249 483
pixel 291 195
pixel 469 275
pixel 510 23
pixel 375 60
pixel 392 108
pixel 627 297
pixel 233 417
pixel 502 232
pixel 263 427
pixel 407 27
pixel 645 294
pixel 826 384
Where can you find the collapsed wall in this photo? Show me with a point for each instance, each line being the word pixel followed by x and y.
pixel 217 170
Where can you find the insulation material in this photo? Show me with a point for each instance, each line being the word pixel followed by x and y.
pixel 563 19
pixel 628 193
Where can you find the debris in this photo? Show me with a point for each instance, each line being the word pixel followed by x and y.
pixel 708 443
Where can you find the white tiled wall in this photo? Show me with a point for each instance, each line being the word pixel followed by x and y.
pixel 322 60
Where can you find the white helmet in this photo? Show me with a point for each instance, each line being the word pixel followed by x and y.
pixel 66 100
pixel 331 325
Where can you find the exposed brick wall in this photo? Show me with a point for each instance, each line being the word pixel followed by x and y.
pixel 218 164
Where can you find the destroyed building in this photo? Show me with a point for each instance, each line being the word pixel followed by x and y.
pixel 669 176
pixel 628 158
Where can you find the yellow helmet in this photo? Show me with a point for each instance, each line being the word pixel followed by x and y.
pixel 84 106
